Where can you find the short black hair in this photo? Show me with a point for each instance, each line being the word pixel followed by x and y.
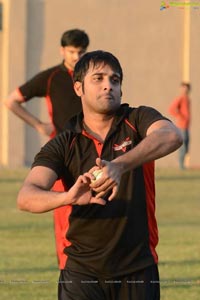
pixel 187 84
pixel 76 38
pixel 96 57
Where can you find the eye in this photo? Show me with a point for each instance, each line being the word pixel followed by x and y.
pixel 115 80
pixel 97 78
pixel 81 52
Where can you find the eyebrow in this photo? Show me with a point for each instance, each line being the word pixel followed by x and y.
pixel 102 73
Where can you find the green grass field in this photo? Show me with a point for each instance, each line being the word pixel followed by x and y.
pixel 28 266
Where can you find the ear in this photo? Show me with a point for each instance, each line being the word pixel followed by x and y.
pixel 78 88
pixel 62 51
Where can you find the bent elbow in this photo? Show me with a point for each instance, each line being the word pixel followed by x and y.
pixel 177 139
pixel 7 104
pixel 180 141
pixel 22 202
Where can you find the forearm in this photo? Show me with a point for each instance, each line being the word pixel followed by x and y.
pixel 17 108
pixel 156 145
pixel 36 200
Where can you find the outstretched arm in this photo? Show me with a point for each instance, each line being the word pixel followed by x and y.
pixel 162 138
pixel 35 195
pixel 14 103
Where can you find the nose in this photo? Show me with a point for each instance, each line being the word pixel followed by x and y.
pixel 108 85
pixel 76 56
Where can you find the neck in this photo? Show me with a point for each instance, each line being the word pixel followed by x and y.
pixel 68 67
pixel 98 125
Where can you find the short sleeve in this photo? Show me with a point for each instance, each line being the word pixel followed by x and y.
pixel 143 117
pixel 36 86
pixel 52 155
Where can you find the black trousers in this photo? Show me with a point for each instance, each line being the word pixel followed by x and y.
pixel 140 285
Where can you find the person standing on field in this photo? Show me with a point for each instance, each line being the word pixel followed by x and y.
pixel 180 109
pixel 56 85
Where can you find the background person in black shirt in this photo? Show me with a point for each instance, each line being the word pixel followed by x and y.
pixel 56 85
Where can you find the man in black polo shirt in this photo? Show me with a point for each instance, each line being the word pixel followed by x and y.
pixel 56 85
pixel 111 230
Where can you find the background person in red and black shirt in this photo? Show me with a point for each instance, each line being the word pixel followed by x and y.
pixel 180 109
pixel 111 230
pixel 56 85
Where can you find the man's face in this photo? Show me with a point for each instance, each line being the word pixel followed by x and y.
pixel 100 91
pixel 71 55
pixel 184 90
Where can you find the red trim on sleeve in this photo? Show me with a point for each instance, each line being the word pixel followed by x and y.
pixel 148 169
pixel 49 102
pixel 49 106
pixel 50 111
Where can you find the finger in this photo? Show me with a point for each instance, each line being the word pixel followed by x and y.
pixel 114 193
pixel 97 183
pixel 89 176
pixel 93 169
pixel 105 191
pixel 100 163
pixel 83 179
pixel 102 185
pixel 98 201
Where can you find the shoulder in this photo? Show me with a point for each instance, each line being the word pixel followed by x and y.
pixel 54 152
pixel 48 72
pixel 60 142
pixel 143 110
pixel 143 117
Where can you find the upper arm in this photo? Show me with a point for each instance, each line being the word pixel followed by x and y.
pixel 148 119
pixel 41 177
pixel 159 125
pixel 14 97
pixel 36 86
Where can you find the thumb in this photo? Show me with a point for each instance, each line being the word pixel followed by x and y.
pixel 100 163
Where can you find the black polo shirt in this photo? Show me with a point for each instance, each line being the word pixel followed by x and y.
pixel 120 237
pixel 57 86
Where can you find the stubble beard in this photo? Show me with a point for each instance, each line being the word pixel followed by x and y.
pixel 108 106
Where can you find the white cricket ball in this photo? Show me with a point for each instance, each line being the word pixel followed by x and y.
pixel 97 174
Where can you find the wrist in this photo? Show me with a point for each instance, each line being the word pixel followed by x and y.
pixel 120 165
pixel 68 199
pixel 37 124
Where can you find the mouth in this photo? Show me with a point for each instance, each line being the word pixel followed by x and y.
pixel 108 96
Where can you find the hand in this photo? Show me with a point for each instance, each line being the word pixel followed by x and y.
pixel 109 180
pixel 80 192
pixel 45 128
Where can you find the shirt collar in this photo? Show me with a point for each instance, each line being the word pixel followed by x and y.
pixel 64 68
pixel 75 124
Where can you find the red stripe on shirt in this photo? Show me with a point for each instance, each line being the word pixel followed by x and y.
pixel 148 169
pixel 97 143
pixel 130 125
pixel 61 226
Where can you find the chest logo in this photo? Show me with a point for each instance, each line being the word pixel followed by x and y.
pixel 123 145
